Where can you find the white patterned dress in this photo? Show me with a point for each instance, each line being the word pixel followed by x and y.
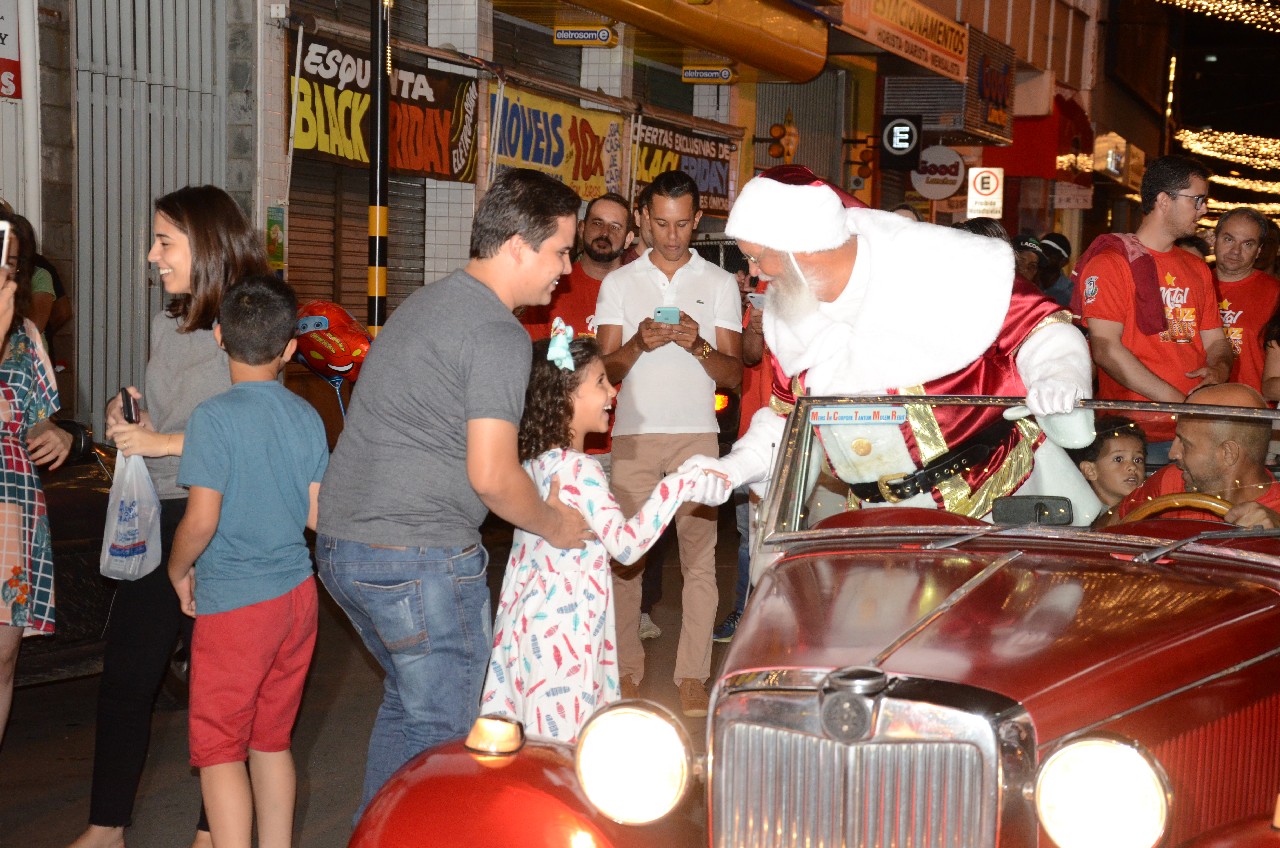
pixel 554 659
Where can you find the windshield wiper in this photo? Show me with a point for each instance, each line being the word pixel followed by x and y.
pixel 1238 533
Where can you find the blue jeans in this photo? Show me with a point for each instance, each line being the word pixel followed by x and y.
pixel 424 615
pixel 742 517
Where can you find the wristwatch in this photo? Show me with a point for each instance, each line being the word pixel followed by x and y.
pixel 704 351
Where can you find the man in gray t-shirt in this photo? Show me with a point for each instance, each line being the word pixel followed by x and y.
pixel 428 448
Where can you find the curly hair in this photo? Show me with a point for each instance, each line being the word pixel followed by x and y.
pixel 548 401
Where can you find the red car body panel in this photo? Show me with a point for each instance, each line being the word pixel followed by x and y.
pixel 452 796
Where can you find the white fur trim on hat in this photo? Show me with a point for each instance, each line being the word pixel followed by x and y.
pixel 789 218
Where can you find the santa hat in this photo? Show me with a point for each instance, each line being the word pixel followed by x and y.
pixel 791 209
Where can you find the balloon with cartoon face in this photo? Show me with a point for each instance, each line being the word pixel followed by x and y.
pixel 330 342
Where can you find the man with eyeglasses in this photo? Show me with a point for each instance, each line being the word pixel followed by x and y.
pixel 1151 309
pixel 604 234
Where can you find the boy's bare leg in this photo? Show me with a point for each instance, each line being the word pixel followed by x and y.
pixel 228 802
pixel 98 836
pixel 275 787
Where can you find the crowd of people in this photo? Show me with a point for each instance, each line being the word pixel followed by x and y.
pixel 594 438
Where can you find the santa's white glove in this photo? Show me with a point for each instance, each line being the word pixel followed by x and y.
pixel 715 469
pixel 1052 396
pixel 710 488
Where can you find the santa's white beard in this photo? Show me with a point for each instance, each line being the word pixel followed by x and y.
pixel 790 295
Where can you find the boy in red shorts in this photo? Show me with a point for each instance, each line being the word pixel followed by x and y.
pixel 253 459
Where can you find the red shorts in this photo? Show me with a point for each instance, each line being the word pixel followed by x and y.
pixel 248 666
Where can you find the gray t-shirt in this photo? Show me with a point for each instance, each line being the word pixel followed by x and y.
pixel 185 369
pixel 450 353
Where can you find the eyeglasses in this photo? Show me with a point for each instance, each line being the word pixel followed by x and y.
pixel 1200 200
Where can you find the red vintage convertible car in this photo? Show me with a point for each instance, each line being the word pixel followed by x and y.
pixel 907 677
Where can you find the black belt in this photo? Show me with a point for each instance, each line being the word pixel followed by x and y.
pixel 976 450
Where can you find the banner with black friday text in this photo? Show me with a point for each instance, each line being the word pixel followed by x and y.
pixel 433 114
pixel 661 147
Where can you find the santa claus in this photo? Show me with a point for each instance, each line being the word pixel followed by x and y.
pixel 864 302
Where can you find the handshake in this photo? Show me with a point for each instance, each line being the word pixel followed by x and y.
pixel 712 480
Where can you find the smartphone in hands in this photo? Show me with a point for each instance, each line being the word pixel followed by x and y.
pixel 5 230
pixel 667 315
pixel 129 407
pixel 756 299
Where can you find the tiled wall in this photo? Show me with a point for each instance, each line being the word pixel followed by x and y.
pixel 467 26
pixel 273 141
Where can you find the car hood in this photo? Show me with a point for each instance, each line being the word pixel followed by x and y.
pixel 1073 637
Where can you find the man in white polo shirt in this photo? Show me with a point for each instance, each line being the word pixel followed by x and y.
pixel 670 326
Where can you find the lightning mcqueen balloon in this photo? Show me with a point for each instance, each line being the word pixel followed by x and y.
pixel 331 342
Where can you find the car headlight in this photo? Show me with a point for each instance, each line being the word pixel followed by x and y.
pixel 633 762
pixel 1102 793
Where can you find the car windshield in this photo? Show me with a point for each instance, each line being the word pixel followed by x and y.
pixel 956 462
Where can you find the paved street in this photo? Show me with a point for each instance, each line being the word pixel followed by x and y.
pixel 47 754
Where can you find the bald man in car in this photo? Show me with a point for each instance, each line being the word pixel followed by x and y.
pixel 1218 456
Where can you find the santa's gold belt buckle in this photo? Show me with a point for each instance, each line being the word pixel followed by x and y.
pixel 885 482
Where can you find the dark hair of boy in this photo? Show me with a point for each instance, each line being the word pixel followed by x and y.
pixel 258 317
pixel 548 401
pixel 1107 427
pixel 673 184
pixel 1169 175
pixel 521 202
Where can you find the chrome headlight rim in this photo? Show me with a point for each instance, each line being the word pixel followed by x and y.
pixel 667 720
pixel 1124 742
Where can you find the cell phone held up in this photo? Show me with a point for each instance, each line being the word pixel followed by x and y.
pixel 5 229
pixel 667 315
pixel 756 299
pixel 129 407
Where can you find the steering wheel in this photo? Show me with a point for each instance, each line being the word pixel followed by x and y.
pixel 1179 500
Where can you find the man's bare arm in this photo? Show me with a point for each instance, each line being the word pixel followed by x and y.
pixel 1219 356
pixel 493 469
pixel 1125 368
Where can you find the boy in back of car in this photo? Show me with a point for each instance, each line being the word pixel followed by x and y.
pixel 253 461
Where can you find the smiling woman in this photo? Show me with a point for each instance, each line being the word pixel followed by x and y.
pixel 202 244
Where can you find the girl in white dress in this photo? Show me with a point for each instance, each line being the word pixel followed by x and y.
pixel 554 659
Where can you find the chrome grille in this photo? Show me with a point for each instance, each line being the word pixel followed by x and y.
pixel 776 788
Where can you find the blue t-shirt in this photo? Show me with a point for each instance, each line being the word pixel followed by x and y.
pixel 262 447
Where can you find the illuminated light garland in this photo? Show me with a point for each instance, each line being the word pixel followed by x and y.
pixel 1260 186
pixel 1269 209
pixel 1255 151
pixel 1256 13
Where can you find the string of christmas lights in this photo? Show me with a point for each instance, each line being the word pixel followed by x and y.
pixel 1252 150
pixel 1268 209
pixel 1260 186
pixel 1263 14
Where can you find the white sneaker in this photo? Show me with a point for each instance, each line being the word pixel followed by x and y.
pixel 648 630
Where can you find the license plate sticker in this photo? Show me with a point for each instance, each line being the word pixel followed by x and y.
pixel 893 415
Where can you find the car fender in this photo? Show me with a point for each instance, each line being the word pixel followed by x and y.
pixel 451 796
pixel 1256 832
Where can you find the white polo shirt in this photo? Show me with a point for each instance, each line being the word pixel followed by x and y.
pixel 668 390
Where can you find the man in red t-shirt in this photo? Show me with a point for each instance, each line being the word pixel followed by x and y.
pixel 1150 308
pixel 1247 297
pixel 605 233
pixel 1217 456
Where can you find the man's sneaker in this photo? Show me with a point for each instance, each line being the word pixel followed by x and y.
pixel 724 633
pixel 648 630
pixel 629 687
pixel 693 698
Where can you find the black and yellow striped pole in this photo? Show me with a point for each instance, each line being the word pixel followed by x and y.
pixel 379 108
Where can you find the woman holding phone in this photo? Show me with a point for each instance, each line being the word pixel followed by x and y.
pixel 28 436
pixel 202 244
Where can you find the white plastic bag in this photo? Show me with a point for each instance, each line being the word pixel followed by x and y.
pixel 131 543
